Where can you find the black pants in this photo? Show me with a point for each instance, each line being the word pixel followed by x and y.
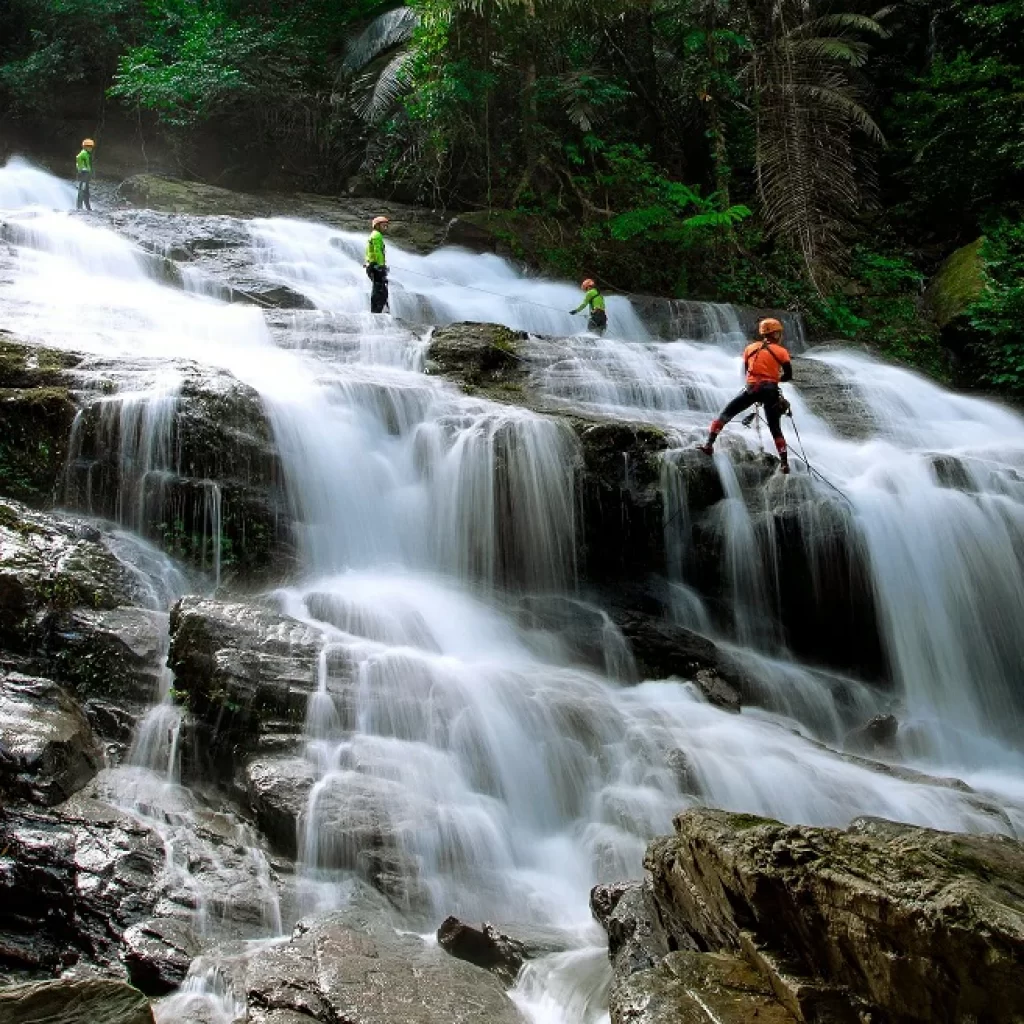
pixel 769 397
pixel 598 321
pixel 83 190
pixel 379 292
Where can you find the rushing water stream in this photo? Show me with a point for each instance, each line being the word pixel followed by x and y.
pixel 512 777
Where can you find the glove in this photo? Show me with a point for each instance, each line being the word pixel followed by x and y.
pixel 573 312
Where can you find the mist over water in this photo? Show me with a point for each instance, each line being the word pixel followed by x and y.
pixel 509 777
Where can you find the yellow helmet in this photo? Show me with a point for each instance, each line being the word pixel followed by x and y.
pixel 769 326
pixel 379 222
pixel 88 144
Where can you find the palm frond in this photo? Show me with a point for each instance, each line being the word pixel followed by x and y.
pixel 844 105
pixel 380 91
pixel 840 24
pixel 386 31
pixel 845 51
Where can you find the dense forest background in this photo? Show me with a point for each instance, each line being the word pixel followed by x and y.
pixel 828 157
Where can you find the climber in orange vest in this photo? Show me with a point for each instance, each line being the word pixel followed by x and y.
pixel 766 364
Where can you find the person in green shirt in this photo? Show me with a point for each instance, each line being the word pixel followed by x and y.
pixel 377 265
pixel 83 165
pixel 595 300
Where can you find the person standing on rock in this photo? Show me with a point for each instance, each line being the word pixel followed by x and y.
pixel 766 364
pixel 593 299
pixel 83 165
pixel 377 265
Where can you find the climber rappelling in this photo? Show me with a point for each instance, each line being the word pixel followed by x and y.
pixel 766 364
pixel 595 301
pixel 376 264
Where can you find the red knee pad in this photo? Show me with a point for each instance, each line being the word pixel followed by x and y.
pixel 780 443
pixel 716 426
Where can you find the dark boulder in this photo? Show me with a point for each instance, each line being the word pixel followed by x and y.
pixel 244 669
pixel 196 471
pixel 478 355
pixel 87 1001
pixel 484 946
pixel 71 881
pixel 878 736
pixel 663 649
pixel 49 749
pixel 157 954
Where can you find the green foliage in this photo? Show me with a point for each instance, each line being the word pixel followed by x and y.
pixel 200 58
pixel 997 315
pixel 958 122
pixel 50 46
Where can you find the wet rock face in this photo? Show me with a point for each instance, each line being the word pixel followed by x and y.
pixel 47 748
pixel 243 668
pixel 619 495
pixel 365 973
pixel 898 922
pixel 832 399
pixel 695 988
pixel 157 954
pixel 36 412
pixel 70 882
pixel 197 472
pixel 92 1001
pixel 663 649
pixel 411 226
pixel 49 564
pixel 68 612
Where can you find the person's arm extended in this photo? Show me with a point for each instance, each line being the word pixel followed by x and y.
pixel 787 371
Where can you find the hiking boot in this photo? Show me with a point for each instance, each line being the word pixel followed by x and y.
pixel 784 467
pixel 707 449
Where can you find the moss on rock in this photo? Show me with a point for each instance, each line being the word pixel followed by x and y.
pixel 956 284
pixel 36 412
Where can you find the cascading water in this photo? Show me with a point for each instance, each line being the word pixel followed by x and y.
pixel 466 759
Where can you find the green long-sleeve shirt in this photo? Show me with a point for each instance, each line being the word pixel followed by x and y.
pixel 83 162
pixel 375 249
pixel 594 299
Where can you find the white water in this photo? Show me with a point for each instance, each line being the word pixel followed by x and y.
pixel 507 778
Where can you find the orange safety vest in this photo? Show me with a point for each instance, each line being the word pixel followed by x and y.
pixel 763 362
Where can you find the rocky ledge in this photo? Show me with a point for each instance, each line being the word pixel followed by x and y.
pixel 742 917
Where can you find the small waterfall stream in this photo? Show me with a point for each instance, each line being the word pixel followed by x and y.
pixel 472 760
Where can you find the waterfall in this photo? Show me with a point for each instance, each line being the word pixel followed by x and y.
pixel 462 758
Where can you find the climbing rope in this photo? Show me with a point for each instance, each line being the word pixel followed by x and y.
pixel 475 288
pixel 802 456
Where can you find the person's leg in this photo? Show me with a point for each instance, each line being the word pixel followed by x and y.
pixel 773 415
pixel 88 201
pixel 81 187
pixel 379 294
pixel 598 321
pixel 744 400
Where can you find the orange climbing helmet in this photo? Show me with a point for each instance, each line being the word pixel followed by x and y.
pixel 587 285
pixel 88 144
pixel 379 222
pixel 769 326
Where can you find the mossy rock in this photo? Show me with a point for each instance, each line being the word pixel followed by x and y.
pixel 478 355
pixel 36 413
pixel 956 284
